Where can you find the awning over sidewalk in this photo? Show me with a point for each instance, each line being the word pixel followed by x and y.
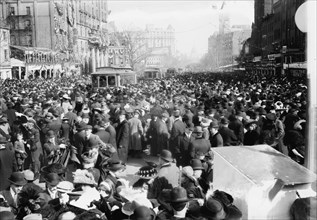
pixel 17 63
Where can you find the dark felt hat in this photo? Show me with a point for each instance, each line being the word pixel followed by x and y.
pixel 178 195
pixel 196 164
pixel 52 179
pixel 198 129
pixel 166 155
pixel 54 168
pixel 81 126
pixel 214 124
pixel 122 112
pixel 271 117
pixel 114 165
pixel 50 134
pixel 211 208
pixel 224 121
pixel 88 127
pixel 17 178
pixel 142 212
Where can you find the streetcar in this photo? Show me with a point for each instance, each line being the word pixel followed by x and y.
pixel 112 77
pixel 153 73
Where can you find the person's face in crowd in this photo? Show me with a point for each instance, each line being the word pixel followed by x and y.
pixel 213 131
pixel 121 117
pixel 63 197
pixel 86 120
pixel 20 137
pixel 51 187
pixel 252 127
pixel 188 131
pixel 197 173
pixel 239 118
pixel 104 190
pixel 51 140
pixel 88 132
pixel 17 189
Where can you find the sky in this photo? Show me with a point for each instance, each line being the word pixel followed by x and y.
pixel 193 20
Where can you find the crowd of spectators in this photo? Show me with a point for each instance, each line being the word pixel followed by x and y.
pixel 47 125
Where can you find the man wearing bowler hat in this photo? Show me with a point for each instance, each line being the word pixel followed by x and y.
pixel 52 180
pixel 178 127
pixel 17 181
pixel 167 177
pixel 122 137
pixel 182 153
pixel 179 203
pixel 215 137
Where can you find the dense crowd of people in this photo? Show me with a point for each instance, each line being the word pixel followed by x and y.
pixel 47 125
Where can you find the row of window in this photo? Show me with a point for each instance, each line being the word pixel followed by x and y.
pixel 20 25
pixel 27 9
pixel 25 40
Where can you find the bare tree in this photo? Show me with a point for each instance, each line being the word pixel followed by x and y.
pixel 135 44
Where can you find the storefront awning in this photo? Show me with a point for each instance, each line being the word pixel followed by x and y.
pixel 17 63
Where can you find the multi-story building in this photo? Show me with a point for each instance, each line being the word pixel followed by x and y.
pixel 275 37
pixel 72 31
pixel 160 38
pixel 161 43
pixel 227 47
pixel 5 64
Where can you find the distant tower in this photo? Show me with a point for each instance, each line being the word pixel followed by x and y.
pixel 224 20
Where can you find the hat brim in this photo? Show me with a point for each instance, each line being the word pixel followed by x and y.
pixel 167 159
pixel 179 200
pixel 53 183
pixel 20 183
pixel 198 168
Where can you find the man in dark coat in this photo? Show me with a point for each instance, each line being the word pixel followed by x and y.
pixel 199 146
pixel 215 137
pixel 228 136
pixel 182 153
pixel 11 194
pixel 71 116
pixel 79 139
pixel 7 163
pixel 178 127
pixel 102 133
pixel 33 139
pixel 105 123
pixel 152 133
pixel 10 112
pixel 162 133
pixel 122 137
pixel 236 125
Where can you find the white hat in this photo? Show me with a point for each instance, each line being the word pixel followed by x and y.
pixel 33 216
pixel 65 96
pixel 28 175
pixel 65 186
